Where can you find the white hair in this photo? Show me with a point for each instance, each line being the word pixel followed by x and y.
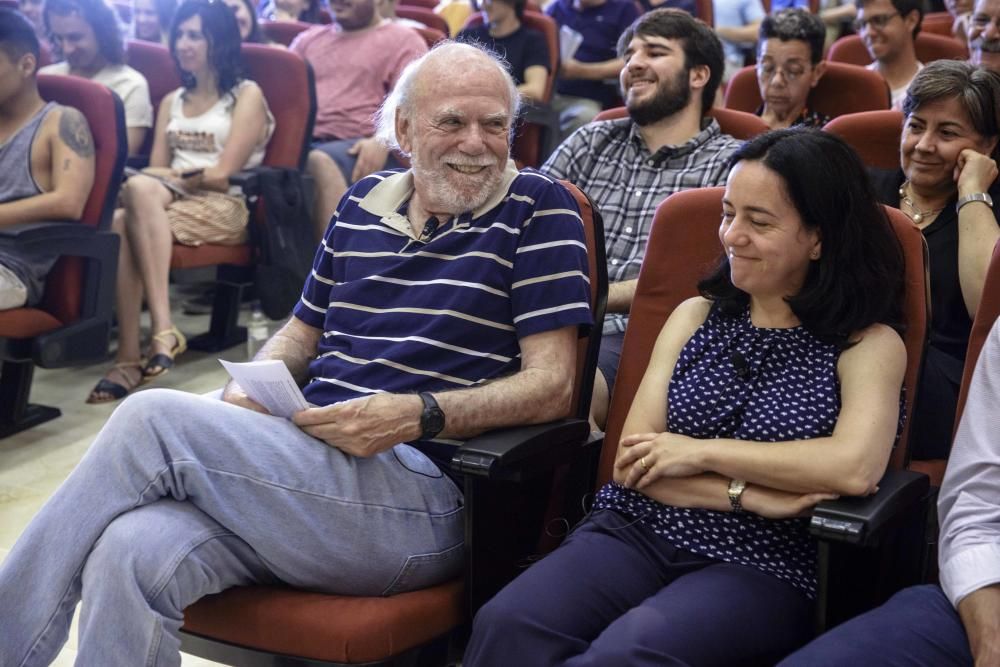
pixel 401 97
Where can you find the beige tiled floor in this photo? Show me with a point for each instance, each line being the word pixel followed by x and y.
pixel 33 463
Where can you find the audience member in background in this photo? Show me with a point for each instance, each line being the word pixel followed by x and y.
pixel 690 6
pixel 32 9
pixel 357 61
pixel 889 29
pixel 947 186
pixel 838 17
pixel 306 11
pixel 789 65
pixel 151 20
pixel 984 35
pixel 181 496
pixel 215 125
pixel 586 78
pixel 246 21
pixel 961 11
pixel 698 552
pixel 387 10
pixel 524 49
pixel 46 158
pixel 673 64
pixel 958 623
pixel 736 24
pixel 88 36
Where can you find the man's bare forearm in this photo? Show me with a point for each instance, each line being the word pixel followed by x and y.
pixel 530 396
pixel 295 344
pixel 620 295
pixel 980 612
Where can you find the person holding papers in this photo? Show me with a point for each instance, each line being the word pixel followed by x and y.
pixel 452 306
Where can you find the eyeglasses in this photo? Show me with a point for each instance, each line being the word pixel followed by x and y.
pixel 878 21
pixel 792 73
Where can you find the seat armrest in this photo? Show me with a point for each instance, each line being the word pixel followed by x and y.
pixel 510 453
pixel 44 232
pixel 248 181
pixel 863 520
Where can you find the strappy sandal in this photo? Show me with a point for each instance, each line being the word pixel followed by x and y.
pixel 109 391
pixel 161 362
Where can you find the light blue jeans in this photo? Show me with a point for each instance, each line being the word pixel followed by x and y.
pixel 181 496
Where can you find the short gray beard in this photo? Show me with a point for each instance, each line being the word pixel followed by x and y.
pixel 443 197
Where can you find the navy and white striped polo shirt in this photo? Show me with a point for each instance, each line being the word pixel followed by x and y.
pixel 401 314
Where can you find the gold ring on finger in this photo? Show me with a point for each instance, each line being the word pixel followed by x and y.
pixel 642 462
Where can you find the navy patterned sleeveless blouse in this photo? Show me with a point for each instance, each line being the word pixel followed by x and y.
pixel 791 392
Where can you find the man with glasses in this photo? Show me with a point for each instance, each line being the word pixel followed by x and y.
pixel 984 35
pixel 789 65
pixel 889 29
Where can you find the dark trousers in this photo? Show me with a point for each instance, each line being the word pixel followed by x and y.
pixel 917 626
pixel 615 593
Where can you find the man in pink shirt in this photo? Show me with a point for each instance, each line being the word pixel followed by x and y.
pixel 356 61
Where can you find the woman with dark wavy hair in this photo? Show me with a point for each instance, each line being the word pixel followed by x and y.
pixel 776 389
pixel 218 123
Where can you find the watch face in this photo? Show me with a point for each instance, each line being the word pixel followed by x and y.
pixel 432 422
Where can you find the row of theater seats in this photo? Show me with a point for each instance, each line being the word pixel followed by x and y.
pixel 71 326
pixel 516 480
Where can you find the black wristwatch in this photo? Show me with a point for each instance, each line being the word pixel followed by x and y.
pixel 432 418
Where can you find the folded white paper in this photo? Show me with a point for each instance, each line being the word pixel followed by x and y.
pixel 269 383
pixel 569 41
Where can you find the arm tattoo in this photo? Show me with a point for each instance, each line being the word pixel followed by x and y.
pixel 75 132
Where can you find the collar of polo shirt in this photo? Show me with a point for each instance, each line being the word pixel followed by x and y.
pixel 386 198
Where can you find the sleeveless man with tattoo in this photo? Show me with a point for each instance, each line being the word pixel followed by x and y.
pixel 46 158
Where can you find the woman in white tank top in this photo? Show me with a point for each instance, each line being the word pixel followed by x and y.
pixel 214 126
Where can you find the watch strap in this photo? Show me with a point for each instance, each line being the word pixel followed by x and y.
pixel 432 417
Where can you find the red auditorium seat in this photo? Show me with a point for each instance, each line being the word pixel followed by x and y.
pixel 72 324
pixel 268 625
pixel 851 49
pixel 425 16
pixel 737 124
pixel 874 135
pixel 843 89
pixel 283 32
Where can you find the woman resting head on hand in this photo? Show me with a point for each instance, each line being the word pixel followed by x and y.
pixel 215 125
pixel 946 184
pixel 780 387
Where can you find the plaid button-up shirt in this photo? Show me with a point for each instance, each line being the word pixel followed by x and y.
pixel 610 162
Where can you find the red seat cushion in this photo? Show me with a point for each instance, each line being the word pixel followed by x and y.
pixel 336 628
pixel 192 257
pixel 26 323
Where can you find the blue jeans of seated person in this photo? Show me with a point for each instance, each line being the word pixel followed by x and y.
pixel 337 150
pixel 617 594
pixel 917 626
pixel 181 496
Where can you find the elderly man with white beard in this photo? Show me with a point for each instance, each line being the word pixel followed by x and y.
pixel 984 35
pixel 444 301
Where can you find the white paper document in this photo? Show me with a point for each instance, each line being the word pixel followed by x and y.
pixel 268 383
pixel 569 41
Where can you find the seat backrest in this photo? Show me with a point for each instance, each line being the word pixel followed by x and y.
pixel 287 82
pixel 427 4
pixel 938 23
pixel 705 10
pixel 431 36
pixel 851 49
pixel 736 124
pixel 283 32
pixel 588 347
pixel 874 135
pixel 843 89
pixel 423 15
pixel 986 314
pixel 106 117
pixel 155 63
pixel 683 247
